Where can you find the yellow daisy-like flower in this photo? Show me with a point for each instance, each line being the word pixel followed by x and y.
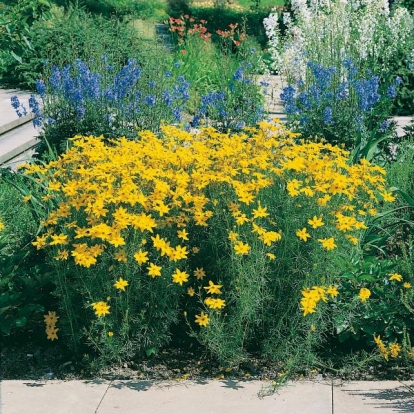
pixel 101 308
pixel 364 294
pixel 395 276
pixel 303 234
pixel 387 196
pixel 212 288
pixel 199 273
pixel 407 285
pixel 180 277
pixel 121 256
pixel 271 256
pixel 233 236
pixel 202 319
pixel 316 222
pixel 333 291
pixel 215 303
pixel 242 248
pixel 154 270
pixel 51 332
pixel 190 292
pixel 121 284
pixel 141 257
pixel 182 234
pixel 328 244
pixel 1 225
pixel 51 318
pixel 110 334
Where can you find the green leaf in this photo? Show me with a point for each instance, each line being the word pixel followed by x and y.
pixel 406 196
pixel 343 336
pixel 20 322
pixel 150 351
pixel 18 58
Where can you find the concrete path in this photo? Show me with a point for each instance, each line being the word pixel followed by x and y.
pixel 205 397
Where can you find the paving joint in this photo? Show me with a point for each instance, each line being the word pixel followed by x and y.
pixel 100 402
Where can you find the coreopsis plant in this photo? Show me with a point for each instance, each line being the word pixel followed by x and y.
pixel 222 228
pixel 371 303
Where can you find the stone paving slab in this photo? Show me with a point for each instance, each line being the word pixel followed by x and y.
pixel 373 397
pixel 214 397
pixel 51 397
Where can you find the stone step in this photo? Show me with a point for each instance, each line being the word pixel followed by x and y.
pixel 16 145
pixel 17 135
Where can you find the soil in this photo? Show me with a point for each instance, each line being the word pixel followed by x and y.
pixel 25 361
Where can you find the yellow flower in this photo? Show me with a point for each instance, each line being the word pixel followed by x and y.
pixel 407 285
pixel 180 277
pixel 381 346
pixel 202 319
pixel 154 270
pixel 51 318
pixel 51 332
pixel 303 234
pixel 110 334
pixel 387 196
pixel 395 276
pixel 62 255
pixel 271 256
pixel 182 234
pixel 121 284
pixel 233 236
pixel 59 239
pixel 395 349
pixel 364 294
pixel 215 303
pixel 27 198
pixel 260 212
pixel 241 219
pixel 352 239
pixel 120 256
pixel 212 288
pixel 333 291
pixel 101 308
pixel 242 248
pixel 190 292
pixel 179 253
pixel 199 273
pixel 328 244
pixel 316 222
pixel 141 257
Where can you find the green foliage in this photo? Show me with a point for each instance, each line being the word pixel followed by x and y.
pixel 16 24
pixel 25 277
pixel 70 35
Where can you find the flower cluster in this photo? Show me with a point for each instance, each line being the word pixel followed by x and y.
pixel 311 297
pixel 50 321
pixel 140 202
pixel 188 26
pixel 78 98
pixel 362 30
pixel 392 350
pixel 339 103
